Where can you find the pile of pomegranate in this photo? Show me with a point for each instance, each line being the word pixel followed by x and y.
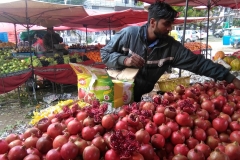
pixel 195 123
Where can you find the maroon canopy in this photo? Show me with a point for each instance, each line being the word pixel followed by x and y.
pixel 110 20
pixel 225 3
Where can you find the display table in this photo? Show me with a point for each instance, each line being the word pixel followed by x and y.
pixel 11 81
pixel 62 73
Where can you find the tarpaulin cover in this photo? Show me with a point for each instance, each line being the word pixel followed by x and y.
pixel 225 3
pixel 62 73
pixel 9 83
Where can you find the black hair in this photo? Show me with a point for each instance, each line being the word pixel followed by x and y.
pixel 161 10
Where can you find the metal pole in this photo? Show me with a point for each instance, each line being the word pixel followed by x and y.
pixel 15 32
pixel 109 26
pixel 208 14
pixel 184 29
pixel 29 44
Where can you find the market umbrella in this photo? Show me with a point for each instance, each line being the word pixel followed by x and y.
pixel 39 13
pixel 111 20
pixel 224 3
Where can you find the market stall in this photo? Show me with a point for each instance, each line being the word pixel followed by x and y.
pixel 9 82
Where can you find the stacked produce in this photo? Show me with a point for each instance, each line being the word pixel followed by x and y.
pixel 232 60
pixel 195 46
pixel 12 65
pixel 7 45
pixel 94 55
pixel 195 123
pixel 56 59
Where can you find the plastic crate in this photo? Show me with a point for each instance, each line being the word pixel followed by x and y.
pixel 4 36
pixel 23 54
pixel 169 85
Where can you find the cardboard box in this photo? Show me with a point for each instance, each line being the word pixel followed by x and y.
pixel 123 92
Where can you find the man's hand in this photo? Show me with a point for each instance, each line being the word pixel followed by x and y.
pixel 135 60
pixel 236 82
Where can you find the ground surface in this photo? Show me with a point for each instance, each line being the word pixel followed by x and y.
pixel 14 113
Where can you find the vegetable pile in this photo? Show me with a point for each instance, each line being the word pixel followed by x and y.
pixel 195 123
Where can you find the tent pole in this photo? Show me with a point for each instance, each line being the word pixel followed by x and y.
pixel 208 14
pixel 86 33
pixel 29 43
pixel 184 29
pixel 15 32
pixel 109 27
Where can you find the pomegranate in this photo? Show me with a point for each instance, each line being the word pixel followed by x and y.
pixel 177 137
pixel 147 151
pixel 151 128
pixel 91 153
pixel 195 154
pixel 100 144
pixel 179 157
pixel 108 121
pixel 4 148
pixel 157 141
pixel 111 155
pixel 169 96
pixel 43 124
pixel 170 112
pixel 212 142
pixel 88 133
pixel 30 141
pixel 181 149
pixel 14 143
pixel 17 152
pixel 99 129
pixel 183 119
pixel 218 155
pixel 191 142
pixel 186 131
pixel 165 131
pixel 74 127
pixel 11 137
pixel 133 119
pixel 44 144
pixel 32 157
pixel 32 131
pixel 53 154
pixel 88 122
pixel 54 130
pixel 60 140
pixel 180 89
pixel 69 151
pixel 34 151
pixel 232 150
pixel 199 134
pixel 81 115
pixel 205 149
pixel 142 136
pixel 81 144
pixel 159 118
pixel 220 124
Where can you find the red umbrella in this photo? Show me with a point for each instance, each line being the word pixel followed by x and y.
pixel 225 3
pixel 111 20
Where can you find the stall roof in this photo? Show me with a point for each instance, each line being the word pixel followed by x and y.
pixel 110 20
pixel 39 13
pixel 225 3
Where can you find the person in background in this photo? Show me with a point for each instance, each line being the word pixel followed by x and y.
pixel 150 49
pixel 38 45
pixel 51 38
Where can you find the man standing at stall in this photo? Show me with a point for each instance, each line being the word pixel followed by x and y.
pixel 150 49
pixel 51 38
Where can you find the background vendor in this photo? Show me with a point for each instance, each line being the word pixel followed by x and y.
pixel 38 45
pixel 50 39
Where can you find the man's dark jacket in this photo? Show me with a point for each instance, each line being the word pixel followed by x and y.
pixel 168 52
